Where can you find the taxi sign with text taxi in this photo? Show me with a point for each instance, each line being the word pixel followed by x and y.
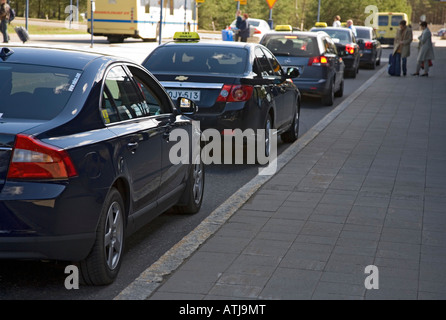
pixel 284 27
pixel 186 36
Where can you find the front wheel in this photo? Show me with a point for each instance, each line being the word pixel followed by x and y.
pixel 328 98
pixel 193 193
pixel 293 133
pixel 102 265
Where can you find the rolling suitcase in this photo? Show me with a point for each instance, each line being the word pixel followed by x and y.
pixel 22 33
pixel 391 66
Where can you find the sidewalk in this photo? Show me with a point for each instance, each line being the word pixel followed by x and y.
pixel 370 189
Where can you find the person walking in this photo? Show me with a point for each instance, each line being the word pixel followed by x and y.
pixel 238 22
pixel 401 47
pixel 4 17
pixel 337 22
pixel 244 28
pixel 425 50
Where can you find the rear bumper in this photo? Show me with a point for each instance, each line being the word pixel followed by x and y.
pixel 312 87
pixel 65 248
pixel 54 221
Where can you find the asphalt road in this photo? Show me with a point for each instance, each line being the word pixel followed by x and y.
pixel 25 280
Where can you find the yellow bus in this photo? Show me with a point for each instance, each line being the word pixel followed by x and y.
pixel 388 24
pixel 120 19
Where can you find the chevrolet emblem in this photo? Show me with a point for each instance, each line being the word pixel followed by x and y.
pixel 181 78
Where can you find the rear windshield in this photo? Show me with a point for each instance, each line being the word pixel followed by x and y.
pixel 363 33
pixel 396 20
pixel 339 36
pixel 292 45
pixel 198 59
pixel 35 92
pixel 383 21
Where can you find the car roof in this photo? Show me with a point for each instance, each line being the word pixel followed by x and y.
pixel 363 27
pixel 63 58
pixel 233 44
pixel 299 33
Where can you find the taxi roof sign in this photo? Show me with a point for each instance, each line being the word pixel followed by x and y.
pixel 321 24
pixel 284 27
pixel 186 36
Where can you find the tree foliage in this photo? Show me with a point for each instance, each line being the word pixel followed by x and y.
pixel 217 14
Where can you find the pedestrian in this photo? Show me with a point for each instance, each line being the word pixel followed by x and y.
pixel 238 22
pixel 244 28
pixel 351 27
pixel 401 47
pixel 337 22
pixel 425 50
pixel 4 17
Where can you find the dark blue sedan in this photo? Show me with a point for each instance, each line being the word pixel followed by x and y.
pixel 84 157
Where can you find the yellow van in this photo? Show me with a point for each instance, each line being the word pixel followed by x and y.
pixel 120 19
pixel 388 24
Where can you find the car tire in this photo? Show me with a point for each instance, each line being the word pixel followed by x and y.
pixel 379 60
pixel 340 92
pixel 267 126
pixel 102 265
pixel 328 98
pixel 293 133
pixel 193 193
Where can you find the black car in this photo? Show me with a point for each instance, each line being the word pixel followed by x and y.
pixel 369 46
pixel 235 85
pixel 84 154
pixel 315 55
pixel 347 47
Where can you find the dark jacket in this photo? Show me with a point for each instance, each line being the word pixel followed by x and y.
pixel 4 11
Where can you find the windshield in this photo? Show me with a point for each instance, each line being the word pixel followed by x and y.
pixel 198 59
pixel 363 33
pixel 35 92
pixel 292 45
pixel 339 35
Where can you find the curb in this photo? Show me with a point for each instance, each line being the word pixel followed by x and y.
pixel 150 279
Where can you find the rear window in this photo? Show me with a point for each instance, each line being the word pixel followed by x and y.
pixel 35 92
pixel 396 20
pixel 363 33
pixel 339 36
pixel 193 59
pixel 383 21
pixel 292 45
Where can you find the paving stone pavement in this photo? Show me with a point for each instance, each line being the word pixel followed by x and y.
pixel 370 189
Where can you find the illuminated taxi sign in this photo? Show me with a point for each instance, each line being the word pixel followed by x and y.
pixel 186 36
pixel 284 27
pixel 321 24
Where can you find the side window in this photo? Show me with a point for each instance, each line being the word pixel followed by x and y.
pixel 262 65
pixel 155 100
pixel 120 98
pixel 277 69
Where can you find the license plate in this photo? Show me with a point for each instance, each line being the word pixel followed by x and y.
pixel 382 32
pixel 190 94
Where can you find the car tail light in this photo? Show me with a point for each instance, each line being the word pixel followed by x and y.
pixel 257 31
pixel 368 45
pixel 349 49
pixel 33 159
pixel 235 93
pixel 318 61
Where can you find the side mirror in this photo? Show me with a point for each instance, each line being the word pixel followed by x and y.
pixel 292 72
pixel 186 106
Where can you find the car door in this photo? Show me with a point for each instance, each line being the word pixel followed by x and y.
pixel 271 70
pixel 287 91
pixel 140 139
pixel 172 174
pixel 336 66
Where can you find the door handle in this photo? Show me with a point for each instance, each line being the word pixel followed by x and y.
pixel 132 146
